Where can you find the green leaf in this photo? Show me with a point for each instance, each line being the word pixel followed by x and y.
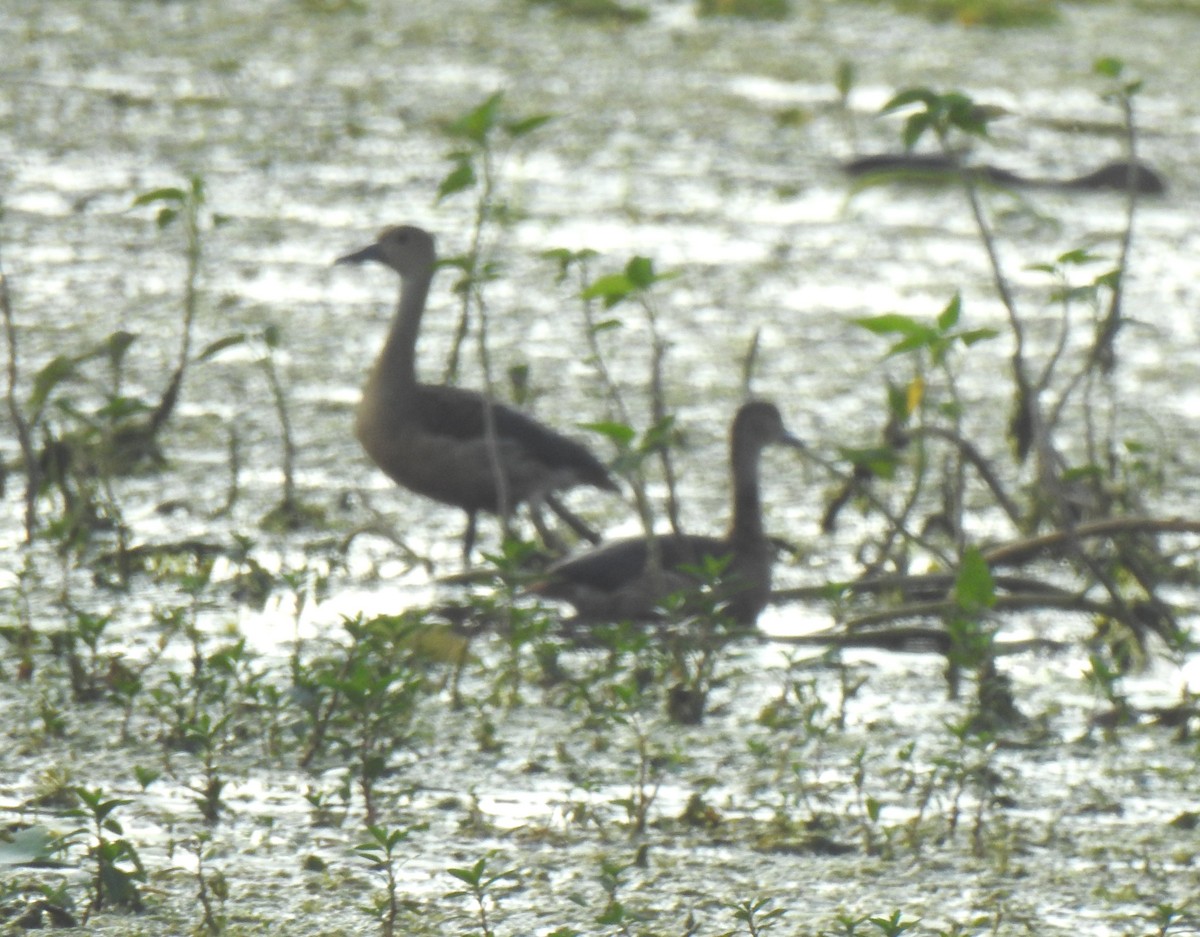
pixel 640 271
pixel 974 588
pixel 606 325
pixel 949 316
pixel 471 876
pixel 461 177
pixel 965 114
pixel 611 288
pixel 519 128
pixel 908 97
pixel 914 129
pixel 892 323
pixel 53 373
pixel 475 125
pixel 929 339
pixel 120 408
pixel 564 259
pixel 26 847
pixel 972 336
pixel 620 433
pixel 937 348
pixel 1108 67
pixel 145 776
pixel 901 398
pixel 614 913
pixel 172 194
pixel 880 460
pixel 844 78
pixel 658 436
pixel 1077 257
pixel 1090 471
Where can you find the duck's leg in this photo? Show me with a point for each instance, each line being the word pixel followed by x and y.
pixel 581 529
pixel 469 538
pixel 552 541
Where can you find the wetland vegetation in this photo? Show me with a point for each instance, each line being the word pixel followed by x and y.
pixel 246 685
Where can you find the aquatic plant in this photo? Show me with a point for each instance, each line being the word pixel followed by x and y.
pixel 117 867
pixel 756 915
pixel 600 11
pixel 32 905
pixel 290 513
pixel 480 133
pixel 22 427
pixel 87 442
pixel 635 283
pixel 482 888
pixel 524 629
pixel 203 714
pixel 1079 481
pixel 616 912
pixel 361 700
pixel 212 888
pixel 382 851
pixel 185 204
pixel 995 13
pixel 696 650
pixel 893 925
pixel 747 9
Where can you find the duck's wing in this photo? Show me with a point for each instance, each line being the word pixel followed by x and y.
pixel 612 566
pixel 459 413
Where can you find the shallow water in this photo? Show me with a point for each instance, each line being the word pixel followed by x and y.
pixel 712 147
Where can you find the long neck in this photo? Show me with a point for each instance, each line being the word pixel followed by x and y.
pixel 746 525
pixel 396 365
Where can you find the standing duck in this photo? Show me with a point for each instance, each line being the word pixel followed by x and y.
pixel 613 583
pixel 433 439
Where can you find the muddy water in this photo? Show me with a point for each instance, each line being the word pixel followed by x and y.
pixel 711 147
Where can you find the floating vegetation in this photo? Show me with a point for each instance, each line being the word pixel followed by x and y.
pixel 747 9
pixel 599 10
pixel 999 13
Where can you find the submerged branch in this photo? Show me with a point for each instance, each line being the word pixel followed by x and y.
pixel 930 596
pixel 921 585
pixel 914 640
pixel 1021 551
pixel 1003 603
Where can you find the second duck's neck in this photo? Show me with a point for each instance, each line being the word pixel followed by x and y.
pixel 746 526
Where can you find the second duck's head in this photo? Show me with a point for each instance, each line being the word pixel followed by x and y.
pixel 408 250
pixel 758 424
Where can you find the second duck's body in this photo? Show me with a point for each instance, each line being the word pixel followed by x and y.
pixel 615 582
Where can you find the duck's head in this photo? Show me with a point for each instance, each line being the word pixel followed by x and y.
pixel 758 424
pixel 408 250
